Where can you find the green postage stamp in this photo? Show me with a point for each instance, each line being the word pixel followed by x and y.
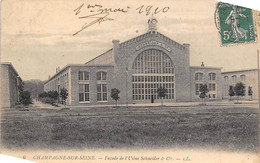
pixel 235 23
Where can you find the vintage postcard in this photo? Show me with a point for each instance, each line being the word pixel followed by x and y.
pixel 173 81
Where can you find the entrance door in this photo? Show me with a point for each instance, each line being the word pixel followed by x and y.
pixel 152 99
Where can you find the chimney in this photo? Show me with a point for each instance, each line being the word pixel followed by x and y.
pixel 116 55
pixel 115 46
pixel 115 42
pixel 187 46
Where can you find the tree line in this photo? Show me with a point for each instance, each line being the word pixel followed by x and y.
pixel 237 90
pixel 161 92
pixel 52 97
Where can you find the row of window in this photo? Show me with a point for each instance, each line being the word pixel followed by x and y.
pixel 84 92
pixel 152 85
pixel 146 91
pixel 152 78
pixel 61 81
pixel 211 87
pixel 84 75
pixel 234 78
pixel 199 76
pixel 212 95
pixel 140 91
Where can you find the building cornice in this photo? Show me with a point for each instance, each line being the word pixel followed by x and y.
pixel 238 71
pixel 199 67
pixel 153 33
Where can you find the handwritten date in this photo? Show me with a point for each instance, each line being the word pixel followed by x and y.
pixel 152 10
pixel 98 13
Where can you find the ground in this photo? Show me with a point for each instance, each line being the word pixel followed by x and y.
pixel 228 127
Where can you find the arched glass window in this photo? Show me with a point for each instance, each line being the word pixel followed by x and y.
pixel 234 78
pixel 198 76
pixel 152 69
pixel 243 78
pixel 101 75
pixel 212 76
pixel 153 62
pixel 83 75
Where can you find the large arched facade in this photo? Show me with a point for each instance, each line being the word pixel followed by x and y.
pixel 152 69
pixel 137 68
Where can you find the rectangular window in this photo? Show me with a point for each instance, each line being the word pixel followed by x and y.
pixel 197 89
pixel 83 92
pixel 101 92
pixel 99 76
pixel 86 94
pixel 212 87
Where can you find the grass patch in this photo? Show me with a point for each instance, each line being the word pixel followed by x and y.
pixel 223 127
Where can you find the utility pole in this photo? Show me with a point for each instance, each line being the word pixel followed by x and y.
pixel 258 82
pixel 126 74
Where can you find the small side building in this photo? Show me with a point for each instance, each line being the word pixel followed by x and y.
pixel 247 77
pixel 206 75
pixel 86 84
pixel 10 82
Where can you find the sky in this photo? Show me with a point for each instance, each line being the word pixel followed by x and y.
pixel 37 36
